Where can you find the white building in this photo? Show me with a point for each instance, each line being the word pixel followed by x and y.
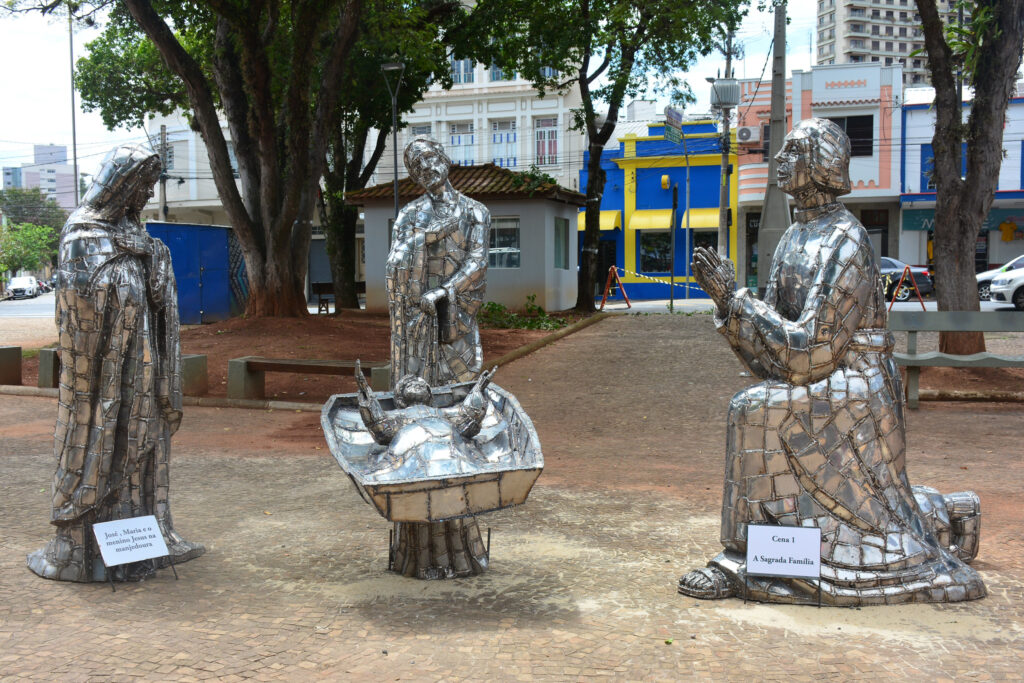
pixel 1002 234
pixel 49 171
pixel 489 116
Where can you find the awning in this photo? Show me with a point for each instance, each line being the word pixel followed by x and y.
pixel 701 218
pixel 609 220
pixel 651 219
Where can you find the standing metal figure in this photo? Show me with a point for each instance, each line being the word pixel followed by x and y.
pixel 120 382
pixel 821 442
pixel 435 278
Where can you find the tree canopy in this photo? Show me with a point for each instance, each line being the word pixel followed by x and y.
pixel 24 246
pixel 31 205
pixel 610 50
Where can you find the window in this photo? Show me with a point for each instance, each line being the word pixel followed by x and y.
pixel 654 251
pixel 856 59
pixel 857 43
pixel 888 46
pixel 888 61
pixel 462 70
pixel 874 59
pixel 546 136
pixel 874 46
pixel 928 166
pixel 903 48
pixel 916 63
pixel 766 138
pixel 461 144
pixel 874 31
pixel 860 130
pixel 504 247
pixel 548 72
pixel 857 28
pixel 903 31
pixel 416 131
pixel 561 243
pixel 497 74
pixel 503 143
pixel 858 12
pixel 232 158
pixel 876 14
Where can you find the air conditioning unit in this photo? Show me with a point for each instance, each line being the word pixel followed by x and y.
pixel 748 134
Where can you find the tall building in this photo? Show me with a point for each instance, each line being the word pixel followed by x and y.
pixel 887 32
pixel 49 171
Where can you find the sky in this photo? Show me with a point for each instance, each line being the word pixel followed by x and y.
pixel 36 93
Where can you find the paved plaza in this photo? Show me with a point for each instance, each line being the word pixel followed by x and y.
pixel 631 417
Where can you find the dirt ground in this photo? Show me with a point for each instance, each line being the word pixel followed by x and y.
pixel 631 416
pixel 358 334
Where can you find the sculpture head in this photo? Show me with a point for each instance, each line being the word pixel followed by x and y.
pixel 124 182
pixel 814 159
pixel 412 390
pixel 427 164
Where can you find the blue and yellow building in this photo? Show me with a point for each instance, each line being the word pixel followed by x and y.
pixel 636 209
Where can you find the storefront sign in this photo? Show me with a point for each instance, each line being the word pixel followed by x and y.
pixel 784 551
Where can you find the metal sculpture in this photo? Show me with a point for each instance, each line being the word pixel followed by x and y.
pixel 821 442
pixel 435 275
pixel 430 458
pixel 120 382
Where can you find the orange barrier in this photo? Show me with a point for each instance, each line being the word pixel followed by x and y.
pixel 613 275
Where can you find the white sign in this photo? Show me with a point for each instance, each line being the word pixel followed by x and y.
pixel 674 118
pixel 129 540
pixel 784 551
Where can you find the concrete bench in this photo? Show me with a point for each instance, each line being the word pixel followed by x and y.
pixel 194 378
pixel 10 365
pixel 913 322
pixel 247 376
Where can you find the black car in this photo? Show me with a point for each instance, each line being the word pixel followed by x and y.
pixel 893 269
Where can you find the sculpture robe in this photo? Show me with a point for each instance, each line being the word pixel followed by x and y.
pixel 120 391
pixel 821 442
pixel 428 252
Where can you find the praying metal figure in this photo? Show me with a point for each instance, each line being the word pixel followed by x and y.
pixel 428 458
pixel 821 442
pixel 120 380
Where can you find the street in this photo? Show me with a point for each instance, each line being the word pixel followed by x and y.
pixel 39 307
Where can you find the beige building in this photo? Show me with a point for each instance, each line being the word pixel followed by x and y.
pixel 885 32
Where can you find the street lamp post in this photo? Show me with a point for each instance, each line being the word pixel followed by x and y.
pixel 399 68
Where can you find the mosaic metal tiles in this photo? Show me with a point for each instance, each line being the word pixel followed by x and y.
pixel 120 379
pixel 821 441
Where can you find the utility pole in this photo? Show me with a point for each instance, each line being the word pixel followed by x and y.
pixel 74 134
pixel 723 195
pixel 775 216
pixel 163 172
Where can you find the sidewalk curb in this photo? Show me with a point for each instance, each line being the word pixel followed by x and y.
pixel 253 404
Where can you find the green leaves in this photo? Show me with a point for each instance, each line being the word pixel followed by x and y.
pixel 26 247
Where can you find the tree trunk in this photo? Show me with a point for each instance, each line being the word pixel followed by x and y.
pixel 962 203
pixel 592 233
pixel 340 231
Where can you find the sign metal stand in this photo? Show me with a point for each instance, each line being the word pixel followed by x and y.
pixel 134 539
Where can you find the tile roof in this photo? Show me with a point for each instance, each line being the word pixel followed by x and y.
pixel 482 182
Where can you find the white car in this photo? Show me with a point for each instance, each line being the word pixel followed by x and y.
pixel 23 287
pixel 985 279
pixel 1009 287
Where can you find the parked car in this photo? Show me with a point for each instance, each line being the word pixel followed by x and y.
pixel 1009 287
pixel 985 278
pixel 894 270
pixel 23 287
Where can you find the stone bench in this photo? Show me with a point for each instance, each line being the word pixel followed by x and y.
pixel 913 322
pixel 194 378
pixel 247 375
pixel 10 365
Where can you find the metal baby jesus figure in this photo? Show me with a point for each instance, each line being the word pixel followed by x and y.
pixel 429 458
pixel 821 441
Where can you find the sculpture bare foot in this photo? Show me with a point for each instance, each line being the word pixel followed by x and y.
pixel 707 583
